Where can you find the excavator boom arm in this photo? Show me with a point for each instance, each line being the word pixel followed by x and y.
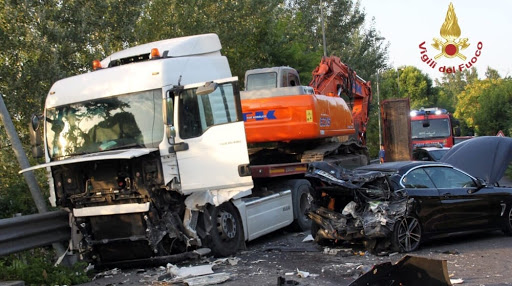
pixel 334 78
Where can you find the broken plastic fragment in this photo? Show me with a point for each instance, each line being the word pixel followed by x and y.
pixel 189 271
pixel 302 274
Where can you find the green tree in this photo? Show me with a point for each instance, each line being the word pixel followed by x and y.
pixel 451 84
pixel 245 28
pixel 495 109
pixel 40 43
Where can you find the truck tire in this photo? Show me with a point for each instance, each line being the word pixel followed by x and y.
pixel 301 203
pixel 226 235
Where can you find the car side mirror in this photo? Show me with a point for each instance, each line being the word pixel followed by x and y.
pixel 480 183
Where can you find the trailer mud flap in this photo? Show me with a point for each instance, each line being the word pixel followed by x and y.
pixel 410 270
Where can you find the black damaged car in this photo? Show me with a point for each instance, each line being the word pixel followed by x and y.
pixel 398 205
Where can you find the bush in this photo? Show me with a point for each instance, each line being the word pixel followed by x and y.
pixel 35 267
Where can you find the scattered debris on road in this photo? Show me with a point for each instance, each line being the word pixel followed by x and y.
pixel 410 270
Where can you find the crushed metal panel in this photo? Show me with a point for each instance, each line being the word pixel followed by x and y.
pixel 354 204
pixel 410 270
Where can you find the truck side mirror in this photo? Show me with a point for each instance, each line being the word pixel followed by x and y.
pixel 36 140
pixel 169 111
pixel 207 88
pixel 457 131
pixel 170 130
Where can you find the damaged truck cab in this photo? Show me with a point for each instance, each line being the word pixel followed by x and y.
pixel 148 153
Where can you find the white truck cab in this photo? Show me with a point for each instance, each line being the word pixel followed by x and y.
pixel 148 152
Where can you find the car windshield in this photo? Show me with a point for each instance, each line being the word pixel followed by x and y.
pixel 438 128
pixel 438 154
pixel 115 122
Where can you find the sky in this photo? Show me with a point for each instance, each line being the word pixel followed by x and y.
pixel 405 24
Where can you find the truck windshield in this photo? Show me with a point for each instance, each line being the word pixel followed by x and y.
pixel 439 128
pixel 123 121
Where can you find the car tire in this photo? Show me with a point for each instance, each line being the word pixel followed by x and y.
pixel 406 236
pixel 226 235
pixel 507 221
pixel 301 203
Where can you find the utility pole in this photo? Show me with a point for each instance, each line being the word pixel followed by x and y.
pixel 29 176
pixel 22 157
pixel 378 106
pixel 323 28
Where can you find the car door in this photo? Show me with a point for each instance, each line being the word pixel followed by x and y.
pixel 210 125
pixel 427 205
pixel 463 208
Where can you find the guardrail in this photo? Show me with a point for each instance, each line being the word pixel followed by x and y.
pixel 31 231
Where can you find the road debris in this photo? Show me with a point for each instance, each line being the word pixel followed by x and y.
pixel 302 274
pixel 107 274
pixel 456 281
pixel 281 281
pixel 182 272
pixel 410 270
pixel 210 279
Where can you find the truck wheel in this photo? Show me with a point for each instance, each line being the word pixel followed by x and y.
pixel 226 235
pixel 301 204
pixel 507 221
pixel 406 236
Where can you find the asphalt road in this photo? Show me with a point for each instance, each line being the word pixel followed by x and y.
pixel 477 259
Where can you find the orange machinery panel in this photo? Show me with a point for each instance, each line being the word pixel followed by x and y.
pixel 296 117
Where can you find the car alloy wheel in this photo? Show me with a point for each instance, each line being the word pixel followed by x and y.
pixel 408 234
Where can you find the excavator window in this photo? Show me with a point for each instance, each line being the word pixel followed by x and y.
pixel 293 79
pixel 261 81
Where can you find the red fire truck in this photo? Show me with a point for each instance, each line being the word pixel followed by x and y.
pixel 433 127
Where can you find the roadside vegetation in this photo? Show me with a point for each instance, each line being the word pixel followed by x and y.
pixel 44 41
pixel 35 267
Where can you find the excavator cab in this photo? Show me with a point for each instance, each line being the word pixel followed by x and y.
pixel 271 78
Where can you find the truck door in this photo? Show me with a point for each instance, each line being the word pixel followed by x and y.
pixel 210 125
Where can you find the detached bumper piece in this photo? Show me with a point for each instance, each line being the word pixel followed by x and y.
pixel 410 270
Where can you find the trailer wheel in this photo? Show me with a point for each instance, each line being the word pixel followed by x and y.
pixel 301 204
pixel 226 234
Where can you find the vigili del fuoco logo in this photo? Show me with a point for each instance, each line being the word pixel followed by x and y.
pixel 451 46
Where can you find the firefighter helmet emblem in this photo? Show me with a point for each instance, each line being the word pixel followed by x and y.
pixel 450 31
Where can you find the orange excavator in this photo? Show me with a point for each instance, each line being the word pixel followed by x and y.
pixel 288 122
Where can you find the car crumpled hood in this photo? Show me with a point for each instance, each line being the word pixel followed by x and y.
pixel 485 157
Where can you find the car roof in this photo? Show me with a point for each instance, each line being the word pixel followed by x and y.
pixel 400 166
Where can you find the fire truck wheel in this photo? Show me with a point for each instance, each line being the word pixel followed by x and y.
pixel 301 204
pixel 226 235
